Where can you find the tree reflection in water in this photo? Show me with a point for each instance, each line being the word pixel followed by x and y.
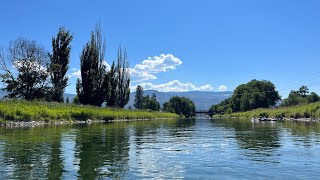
pixel 103 151
pixel 259 141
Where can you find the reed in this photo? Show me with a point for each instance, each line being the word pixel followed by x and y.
pixel 19 110
pixel 304 111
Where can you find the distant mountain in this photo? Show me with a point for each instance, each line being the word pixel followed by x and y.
pixel 202 99
pixel 71 96
pixel 2 93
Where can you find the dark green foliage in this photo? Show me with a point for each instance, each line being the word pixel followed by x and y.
pixel 123 79
pixel 138 101
pixel 24 70
pixel 59 60
pixel 313 97
pixel 111 96
pixel 180 105
pixel 300 97
pixel 253 95
pixel 145 102
pixel 150 103
pixel 118 84
pixel 76 100
pixel 223 107
pixel 91 88
pixel 168 107
pixel 67 100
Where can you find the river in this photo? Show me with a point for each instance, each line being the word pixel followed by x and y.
pixel 163 149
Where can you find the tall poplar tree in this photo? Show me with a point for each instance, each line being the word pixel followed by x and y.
pixel 59 63
pixel 111 96
pixel 123 79
pixel 91 88
pixel 138 101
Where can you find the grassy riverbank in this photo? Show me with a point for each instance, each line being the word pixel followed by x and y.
pixel 14 110
pixel 303 111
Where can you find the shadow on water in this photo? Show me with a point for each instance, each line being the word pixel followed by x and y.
pixel 303 133
pixel 93 152
pixel 102 150
pixel 28 153
pixel 156 149
pixel 259 141
pixel 182 128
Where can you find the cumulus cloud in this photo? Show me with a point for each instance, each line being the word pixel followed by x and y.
pixel 222 88
pixel 140 76
pixel 76 73
pixel 157 64
pixel 175 86
pixel 108 67
pixel 147 69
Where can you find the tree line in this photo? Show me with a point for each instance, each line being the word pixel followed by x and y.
pixel 261 94
pixel 29 72
pixel 255 94
pixel 178 105
pixel 301 96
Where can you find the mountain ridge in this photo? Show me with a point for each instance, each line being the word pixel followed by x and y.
pixel 202 99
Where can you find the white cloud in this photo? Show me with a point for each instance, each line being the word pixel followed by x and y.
pixel 157 64
pixel 139 76
pixel 147 69
pixel 222 88
pixel 108 67
pixel 174 86
pixel 76 73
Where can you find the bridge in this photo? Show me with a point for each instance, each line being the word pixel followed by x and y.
pixel 202 114
pixel 202 111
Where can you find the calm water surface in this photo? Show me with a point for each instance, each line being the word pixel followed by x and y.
pixel 163 149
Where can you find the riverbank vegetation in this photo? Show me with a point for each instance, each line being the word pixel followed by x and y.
pixel 145 102
pixel 180 105
pixel 255 94
pixel 302 111
pixel 260 99
pixel 19 110
pixel 300 97
pixel 30 72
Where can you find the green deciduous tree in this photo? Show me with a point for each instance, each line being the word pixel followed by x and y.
pixel 123 79
pixel 150 103
pixel 91 88
pixel 59 63
pixel 300 97
pixel 24 70
pixel 111 95
pixel 180 105
pixel 255 94
pixel 118 84
pixel 138 101
pixel 76 100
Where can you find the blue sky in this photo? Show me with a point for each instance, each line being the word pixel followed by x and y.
pixel 187 44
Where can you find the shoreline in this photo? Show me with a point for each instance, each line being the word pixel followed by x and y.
pixel 283 120
pixel 22 113
pixel 22 124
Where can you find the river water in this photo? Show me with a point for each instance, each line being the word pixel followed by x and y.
pixel 163 149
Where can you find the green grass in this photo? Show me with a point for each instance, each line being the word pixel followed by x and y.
pixel 17 110
pixel 303 111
